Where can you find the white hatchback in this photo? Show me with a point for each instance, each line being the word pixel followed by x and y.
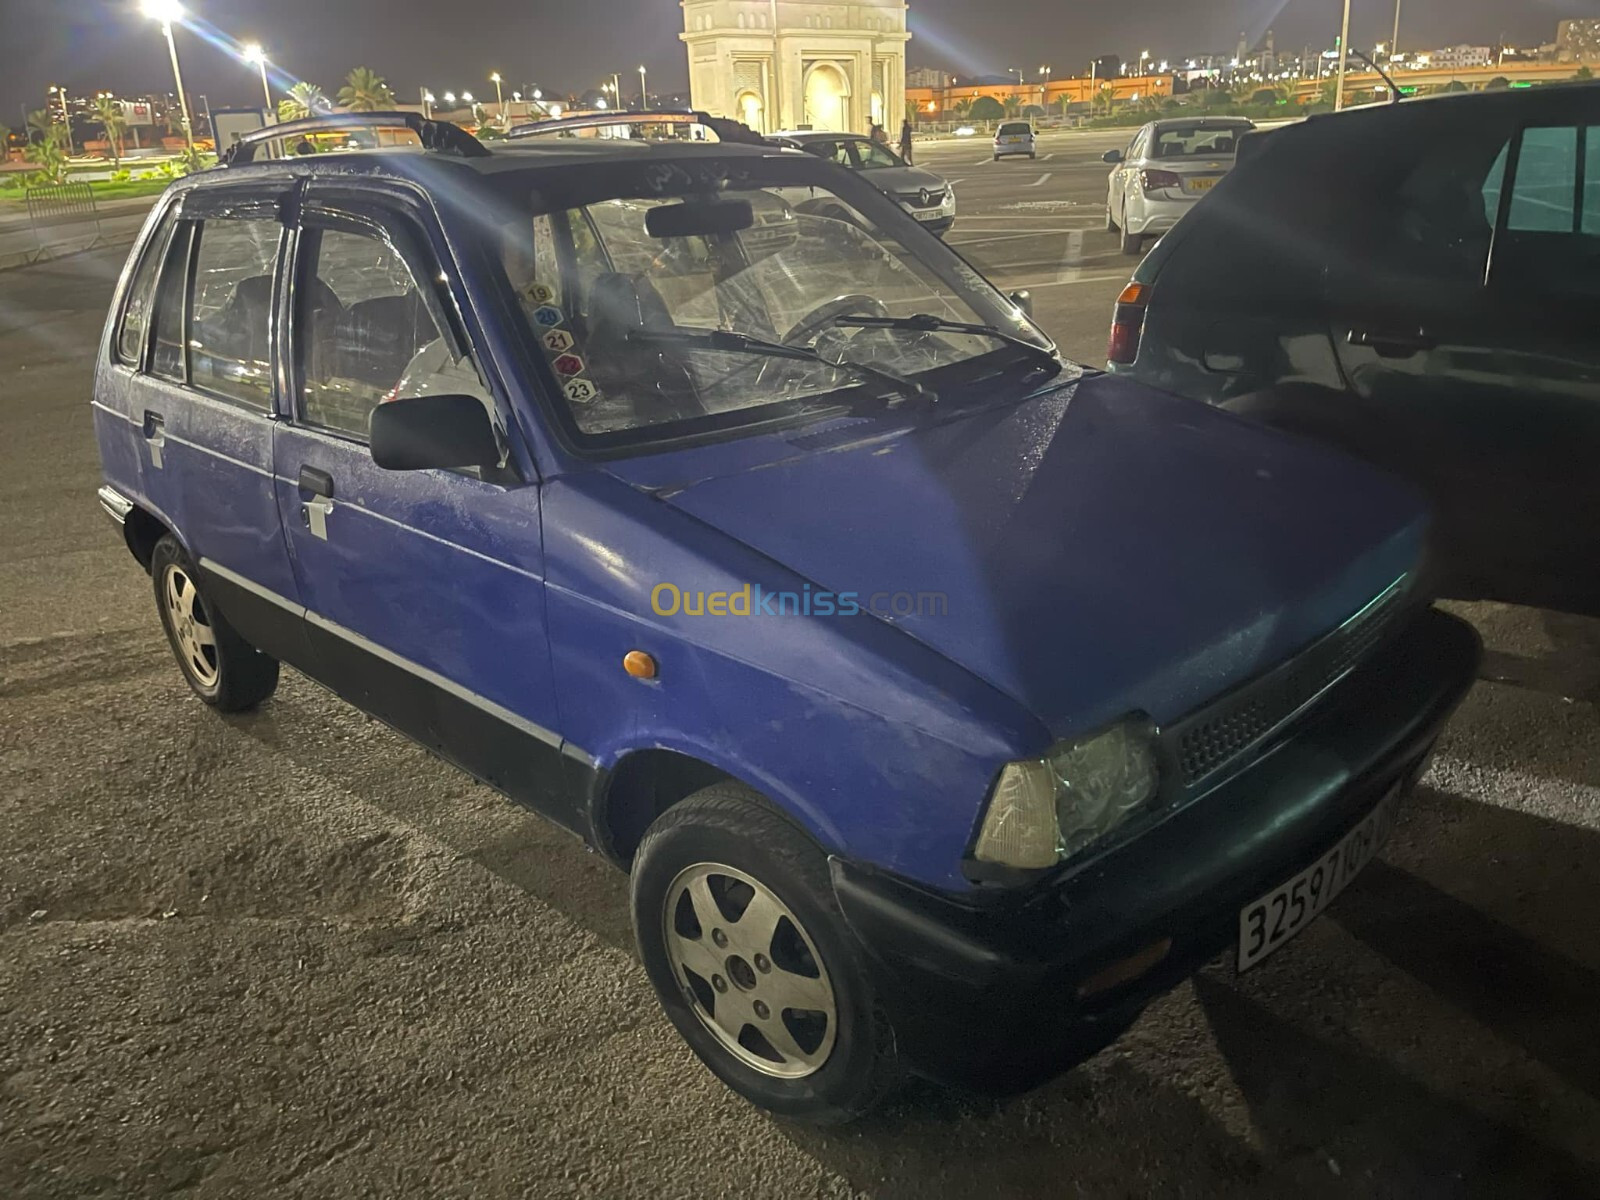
pixel 1166 170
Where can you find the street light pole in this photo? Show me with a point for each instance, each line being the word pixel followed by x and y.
pixel 1394 44
pixel 1344 57
pixel 644 90
pixel 499 99
pixel 168 11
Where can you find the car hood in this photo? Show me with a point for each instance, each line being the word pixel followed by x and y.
pixel 1099 550
pixel 905 181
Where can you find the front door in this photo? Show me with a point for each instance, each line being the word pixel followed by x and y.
pixel 424 590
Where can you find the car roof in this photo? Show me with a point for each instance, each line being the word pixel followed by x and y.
pixel 1203 123
pixel 818 135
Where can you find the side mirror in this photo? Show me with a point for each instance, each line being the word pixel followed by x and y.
pixel 442 432
pixel 1024 301
pixel 1111 156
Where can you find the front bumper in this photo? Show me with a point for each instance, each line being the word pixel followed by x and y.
pixel 985 992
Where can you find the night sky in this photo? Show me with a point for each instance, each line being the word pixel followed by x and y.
pixel 89 45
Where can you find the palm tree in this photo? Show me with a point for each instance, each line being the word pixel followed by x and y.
pixel 305 99
pixel 109 113
pixel 365 91
pixel 42 126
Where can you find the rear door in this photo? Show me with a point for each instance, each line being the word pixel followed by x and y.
pixel 1462 314
pixel 204 404
pixel 424 590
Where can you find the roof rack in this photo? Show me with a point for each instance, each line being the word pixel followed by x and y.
pixel 725 129
pixel 434 135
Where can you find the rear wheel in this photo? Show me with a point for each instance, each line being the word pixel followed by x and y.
pixel 1132 243
pixel 220 667
pixel 751 959
pixel 1111 221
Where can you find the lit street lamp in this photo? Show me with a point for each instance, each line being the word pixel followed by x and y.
pixel 254 54
pixel 450 99
pixel 66 117
pixel 644 91
pixel 166 12
pixel 427 105
pixel 499 98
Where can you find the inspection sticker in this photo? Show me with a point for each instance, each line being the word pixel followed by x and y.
pixel 548 316
pixel 558 341
pixel 580 391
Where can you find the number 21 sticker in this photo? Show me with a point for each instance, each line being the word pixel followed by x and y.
pixel 558 341
pixel 581 391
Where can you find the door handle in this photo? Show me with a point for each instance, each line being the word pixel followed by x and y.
pixel 1392 343
pixel 316 505
pixel 155 433
pixel 317 482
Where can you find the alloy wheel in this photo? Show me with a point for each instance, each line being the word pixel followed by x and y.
pixel 750 971
pixel 191 628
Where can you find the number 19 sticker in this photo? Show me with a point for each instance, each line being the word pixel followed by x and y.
pixel 581 391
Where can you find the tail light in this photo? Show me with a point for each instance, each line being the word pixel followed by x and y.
pixel 1127 324
pixel 1155 181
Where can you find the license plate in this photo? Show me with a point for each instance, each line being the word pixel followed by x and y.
pixel 1268 923
pixel 1202 185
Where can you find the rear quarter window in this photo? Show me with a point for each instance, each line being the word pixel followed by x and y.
pixel 133 330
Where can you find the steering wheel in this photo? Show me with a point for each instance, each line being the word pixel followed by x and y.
pixel 820 318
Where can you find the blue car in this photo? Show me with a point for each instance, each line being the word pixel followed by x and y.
pixel 946 702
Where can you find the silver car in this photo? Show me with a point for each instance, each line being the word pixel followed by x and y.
pixel 1165 171
pixel 926 196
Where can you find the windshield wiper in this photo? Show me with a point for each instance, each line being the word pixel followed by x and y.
pixel 928 323
pixel 729 342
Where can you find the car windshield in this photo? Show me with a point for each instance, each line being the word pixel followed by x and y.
pixel 619 291
pixel 1196 141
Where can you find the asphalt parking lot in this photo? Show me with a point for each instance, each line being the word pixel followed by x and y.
pixel 291 954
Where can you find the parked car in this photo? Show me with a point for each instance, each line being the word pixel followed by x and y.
pixel 946 702
pixel 1015 137
pixel 1413 283
pixel 1165 171
pixel 925 195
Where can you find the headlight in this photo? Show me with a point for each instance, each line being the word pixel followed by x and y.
pixel 1046 810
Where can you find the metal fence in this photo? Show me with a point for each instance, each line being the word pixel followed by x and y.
pixel 63 219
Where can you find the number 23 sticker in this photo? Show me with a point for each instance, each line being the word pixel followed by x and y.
pixel 580 391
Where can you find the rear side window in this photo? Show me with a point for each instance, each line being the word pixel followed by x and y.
pixel 168 360
pixel 135 328
pixel 231 310
pixel 1544 198
pixel 1549 239
pixel 367 335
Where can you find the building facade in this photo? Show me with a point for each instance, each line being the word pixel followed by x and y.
pixel 1578 41
pixel 793 64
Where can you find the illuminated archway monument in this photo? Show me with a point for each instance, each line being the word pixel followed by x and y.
pixel 819 65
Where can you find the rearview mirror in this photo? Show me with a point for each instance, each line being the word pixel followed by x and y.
pixel 1111 156
pixel 441 432
pixel 699 218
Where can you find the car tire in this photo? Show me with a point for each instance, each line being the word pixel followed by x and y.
pixel 1132 243
pixel 727 847
pixel 219 666
pixel 1111 222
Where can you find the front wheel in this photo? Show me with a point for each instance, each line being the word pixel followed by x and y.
pixel 751 959
pixel 219 666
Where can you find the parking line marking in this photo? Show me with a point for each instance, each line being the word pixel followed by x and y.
pixel 1041 181
pixel 1070 270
